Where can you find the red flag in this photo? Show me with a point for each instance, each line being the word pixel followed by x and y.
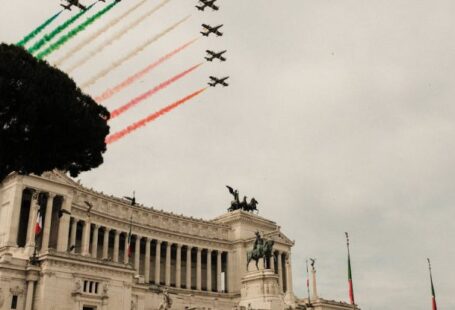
pixel 39 223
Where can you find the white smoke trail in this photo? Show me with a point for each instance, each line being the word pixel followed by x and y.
pixel 131 54
pixel 116 36
pixel 97 34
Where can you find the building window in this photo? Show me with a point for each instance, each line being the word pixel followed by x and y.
pixel 91 287
pixel 14 302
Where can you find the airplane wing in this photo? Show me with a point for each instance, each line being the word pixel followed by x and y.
pixel 211 52
pixel 206 26
pixel 214 79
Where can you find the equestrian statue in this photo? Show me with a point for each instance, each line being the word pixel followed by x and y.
pixel 261 249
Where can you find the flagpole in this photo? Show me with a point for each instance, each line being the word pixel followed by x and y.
pixel 433 295
pixel 308 282
pixel 351 287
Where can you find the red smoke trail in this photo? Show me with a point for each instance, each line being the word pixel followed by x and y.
pixel 151 92
pixel 120 134
pixel 112 91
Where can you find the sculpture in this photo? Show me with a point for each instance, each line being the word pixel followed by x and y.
pixel 261 249
pixel 236 204
pixel 166 302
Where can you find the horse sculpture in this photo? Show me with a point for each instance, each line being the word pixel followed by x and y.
pixel 264 251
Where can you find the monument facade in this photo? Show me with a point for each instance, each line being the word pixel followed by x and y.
pixel 67 247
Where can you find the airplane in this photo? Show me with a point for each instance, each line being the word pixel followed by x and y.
pixel 207 3
pixel 214 55
pixel 217 81
pixel 131 199
pixel 210 30
pixel 71 3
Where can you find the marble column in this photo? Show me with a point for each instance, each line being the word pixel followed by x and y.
pixel 116 245
pixel 188 267
pixel 64 225
pixel 86 238
pixel 126 258
pixel 48 221
pixel 137 254
pixel 178 267
pixel 289 288
pixel 199 269
pixel 106 243
pixel 147 261
pixel 15 215
pixel 280 271
pixel 29 296
pixel 209 270
pixel 96 229
pixel 73 235
pixel 218 271
pixel 33 213
pixel 158 262
pixel 168 263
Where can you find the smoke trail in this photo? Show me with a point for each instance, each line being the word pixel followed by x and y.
pixel 116 36
pixel 130 80
pixel 131 54
pixel 120 134
pixel 48 37
pixel 36 31
pixel 96 34
pixel 151 92
pixel 71 34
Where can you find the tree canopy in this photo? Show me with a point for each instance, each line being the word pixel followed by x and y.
pixel 46 121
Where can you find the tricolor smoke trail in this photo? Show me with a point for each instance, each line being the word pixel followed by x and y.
pixel 130 80
pixel 71 34
pixel 126 131
pixel 116 36
pixel 131 54
pixel 36 31
pixel 96 34
pixel 48 37
pixel 119 111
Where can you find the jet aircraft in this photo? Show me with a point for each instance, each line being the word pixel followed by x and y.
pixel 215 81
pixel 70 3
pixel 213 55
pixel 208 30
pixel 207 4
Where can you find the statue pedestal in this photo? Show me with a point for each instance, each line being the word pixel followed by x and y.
pixel 260 291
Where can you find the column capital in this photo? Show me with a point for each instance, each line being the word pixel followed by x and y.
pixel 117 232
pixel 159 242
pixel 51 195
pixel 199 249
pixel 108 229
pixel 96 226
pixel 178 245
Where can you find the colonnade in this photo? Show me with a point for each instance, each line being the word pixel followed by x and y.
pixel 145 252
pixel 164 262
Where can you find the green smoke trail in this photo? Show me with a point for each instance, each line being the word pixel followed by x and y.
pixel 71 34
pixel 48 37
pixel 36 31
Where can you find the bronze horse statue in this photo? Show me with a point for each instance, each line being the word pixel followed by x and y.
pixel 264 251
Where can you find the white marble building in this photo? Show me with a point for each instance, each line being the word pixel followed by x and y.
pixel 82 251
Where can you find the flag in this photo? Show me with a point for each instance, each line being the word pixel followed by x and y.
pixel 39 223
pixel 433 295
pixel 130 249
pixel 351 287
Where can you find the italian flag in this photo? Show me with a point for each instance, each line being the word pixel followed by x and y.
pixel 433 295
pixel 351 287
pixel 39 223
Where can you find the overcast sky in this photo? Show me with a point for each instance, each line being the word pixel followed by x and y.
pixel 339 117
